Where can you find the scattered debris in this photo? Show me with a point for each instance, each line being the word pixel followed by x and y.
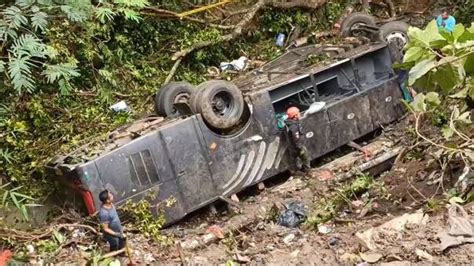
pixel 371 257
pixel 293 215
pixel 333 241
pixel 424 255
pixel 237 65
pixel 350 258
pixel 240 258
pixel 323 175
pixel 461 228
pixel 216 231
pixel 324 229
pixel 371 236
pixel 289 238
pixel 280 40
pixel 120 106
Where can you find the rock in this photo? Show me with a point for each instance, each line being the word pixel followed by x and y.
pixel 357 203
pixel 261 186
pixel 461 228
pixel 295 253
pixel 208 238
pixel 190 244
pixel 392 227
pixel 333 241
pixel 424 255
pixel 197 260
pixel 323 229
pixel 241 258
pixel 349 258
pixel 289 238
pixel 288 186
pixel 148 258
pixel 270 247
pixel 371 257
pixel 396 263
pixel 30 249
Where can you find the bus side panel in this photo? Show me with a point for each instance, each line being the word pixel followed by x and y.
pixel 249 156
pixel 184 148
pixel 164 193
pixel 350 119
pixel 385 103
pixel 317 133
pixel 136 168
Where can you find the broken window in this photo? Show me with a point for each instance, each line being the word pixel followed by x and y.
pixel 142 168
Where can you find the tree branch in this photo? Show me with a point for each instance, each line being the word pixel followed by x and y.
pixel 154 11
pixel 239 28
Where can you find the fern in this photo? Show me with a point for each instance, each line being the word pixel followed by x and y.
pixel 25 3
pixel 56 72
pixel 77 10
pixel 38 21
pixel 2 66
pixel 14 17
pixel 130 14
pixel 104 14
pixel 28 45
pixel 19 70
pixel 132 3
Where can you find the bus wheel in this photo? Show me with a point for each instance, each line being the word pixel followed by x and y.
pixel 395 33
pixel 168 95
pixel 220 103
pixel 350 25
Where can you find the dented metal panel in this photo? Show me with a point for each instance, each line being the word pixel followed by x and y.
pixel 186 160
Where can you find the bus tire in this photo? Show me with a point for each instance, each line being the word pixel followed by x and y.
pixel 220 103
pixel 170 94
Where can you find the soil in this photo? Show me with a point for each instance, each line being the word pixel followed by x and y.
pixel 253 237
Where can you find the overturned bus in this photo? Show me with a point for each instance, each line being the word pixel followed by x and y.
pixel 221 137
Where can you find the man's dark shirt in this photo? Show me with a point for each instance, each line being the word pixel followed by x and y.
pixel 295 131
pixel 110 216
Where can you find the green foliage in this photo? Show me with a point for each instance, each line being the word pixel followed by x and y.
pixel 12 196
pixel 326 207
pixel 440 61
pixel 143 218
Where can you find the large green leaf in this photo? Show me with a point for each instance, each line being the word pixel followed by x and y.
pixel 413 54
pixel 420 69
pixel 447 78
pixel 458 31
pixel 418 103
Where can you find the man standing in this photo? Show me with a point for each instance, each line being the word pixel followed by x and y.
pixel 110 221
pixel 445 21
pixel 295 131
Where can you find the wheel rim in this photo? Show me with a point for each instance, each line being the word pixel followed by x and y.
pixel 180 98
pixel 222 104
pixel 400 39
pixel 356 31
